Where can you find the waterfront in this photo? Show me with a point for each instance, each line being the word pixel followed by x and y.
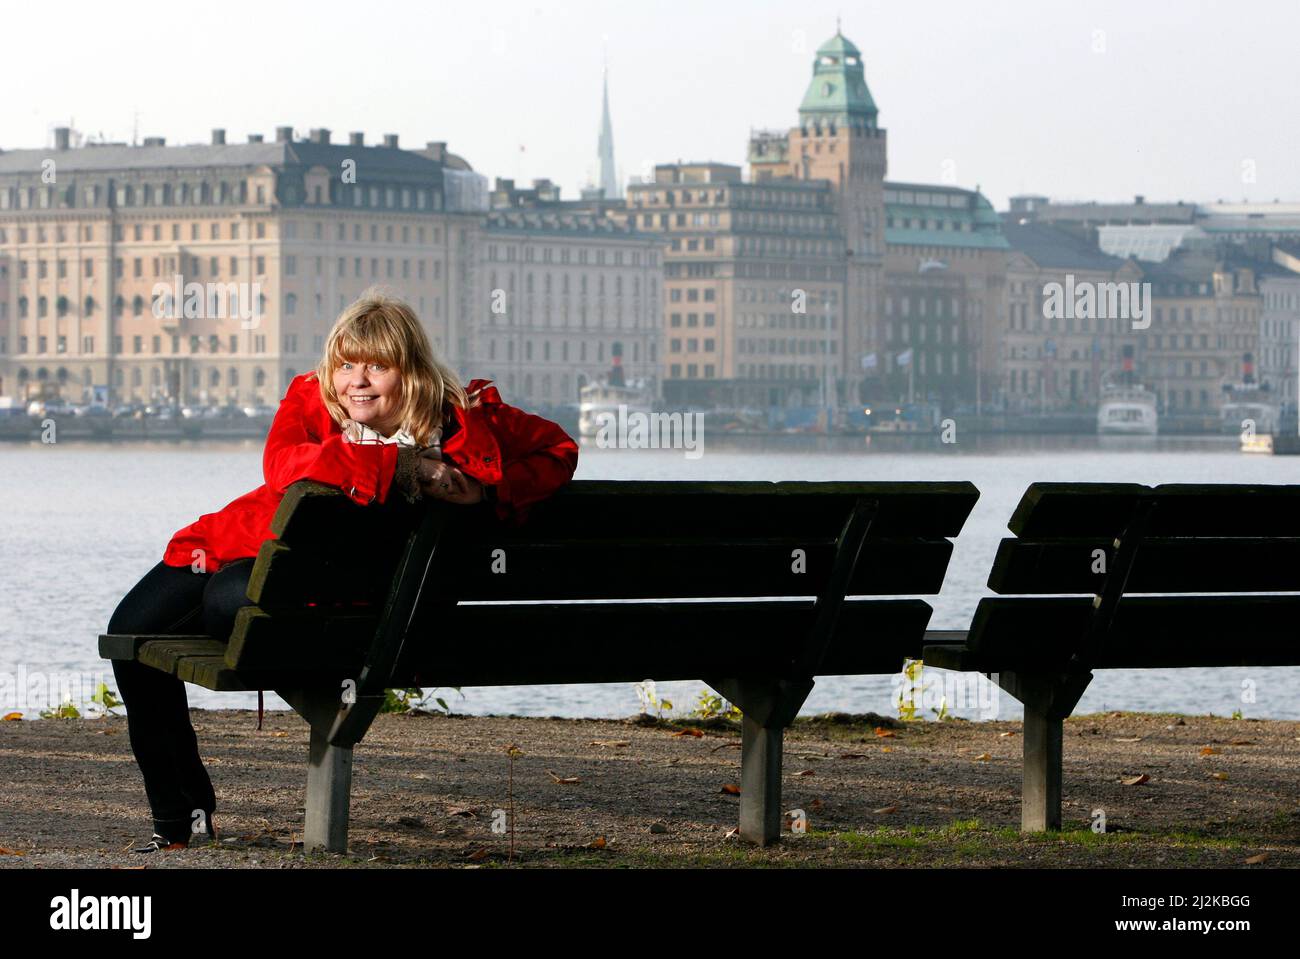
pixel 85 521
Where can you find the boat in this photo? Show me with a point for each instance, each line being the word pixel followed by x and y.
pixel 1250 412
pixel 599 402
pixel 1126 407
pixel 902 418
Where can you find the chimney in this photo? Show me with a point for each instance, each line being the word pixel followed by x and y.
pixel 155 141
pixel 356 139
pixel 437 149
pixel 284 134
pixel 390 140
pixel 255 138
pixel 320 135
pixel 218 137
pixel 61 135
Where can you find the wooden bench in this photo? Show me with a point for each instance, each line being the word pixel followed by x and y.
pixel 1115 542
pixel 446 595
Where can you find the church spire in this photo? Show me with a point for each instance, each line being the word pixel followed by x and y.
pixel 605 147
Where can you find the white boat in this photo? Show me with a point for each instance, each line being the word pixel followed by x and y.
pixel 599 403
pixel 1249 416
pixel 1127 409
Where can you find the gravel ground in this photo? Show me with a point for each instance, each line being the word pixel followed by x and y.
pixel 1218 793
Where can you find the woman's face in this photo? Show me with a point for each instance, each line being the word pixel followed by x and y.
pixel 369 393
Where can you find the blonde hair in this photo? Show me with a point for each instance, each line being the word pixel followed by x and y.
pixel 381 329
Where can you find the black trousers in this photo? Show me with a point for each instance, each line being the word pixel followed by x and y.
pixel 173 600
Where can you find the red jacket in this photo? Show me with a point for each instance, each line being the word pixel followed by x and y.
pixel 524 457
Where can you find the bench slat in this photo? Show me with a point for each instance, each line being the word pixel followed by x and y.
pixel 586 569
pixel 738 509
pixel 1104 510
pixel 1162 565
pixel 1149 631
pixel 501 644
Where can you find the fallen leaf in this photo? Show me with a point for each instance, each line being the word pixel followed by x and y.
pixel 1220 776
pixel 884 733
pixel 1256 860
pixel 1005 735
pixel 479 853
pixel 1136 780
pixel 1130 739
pixel 697 733
pixel 1209 751
pixel 885 810
pixel 9 717
pixel 805 772
pixel 735 831
pixel 11 852
pixel 725 746
pixel 816 804
pixel 983 758
pixel 463 811
pixel 609 742
pixel 731 789
pixel 563 780
pixel 597 843
pixel 887 749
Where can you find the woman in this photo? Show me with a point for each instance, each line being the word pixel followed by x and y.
pixel 380 414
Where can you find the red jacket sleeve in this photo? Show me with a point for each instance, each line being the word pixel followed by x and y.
pixel 538 458
pixel 293 452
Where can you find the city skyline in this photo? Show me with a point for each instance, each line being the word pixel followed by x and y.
pixel 1199 127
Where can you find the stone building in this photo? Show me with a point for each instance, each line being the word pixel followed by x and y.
pixel 1053 363
pixel 562 291
pixel 265 241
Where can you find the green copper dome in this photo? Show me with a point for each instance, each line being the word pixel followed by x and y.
pixel 838 92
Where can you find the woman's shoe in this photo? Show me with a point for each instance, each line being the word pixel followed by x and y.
pixel 158 843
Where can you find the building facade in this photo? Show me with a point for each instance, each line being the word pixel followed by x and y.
pixel 753 285
pixel 944 288
pixel 1049 363
pixel 210 274
pixel 562 292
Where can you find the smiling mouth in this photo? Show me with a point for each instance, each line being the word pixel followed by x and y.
pixel 363 399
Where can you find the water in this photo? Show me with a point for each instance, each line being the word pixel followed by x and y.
pixel 84 521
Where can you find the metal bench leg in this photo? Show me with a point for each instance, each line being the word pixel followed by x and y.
pixel 760 782
pixel 767 707
pixel 329 789
pixel 1048 699
pixel 1040 801
pixel 329 766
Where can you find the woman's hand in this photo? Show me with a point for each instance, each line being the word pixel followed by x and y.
pixel 443 481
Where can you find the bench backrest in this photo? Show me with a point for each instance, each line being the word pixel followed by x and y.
pixel 1115 542
pixel 349 567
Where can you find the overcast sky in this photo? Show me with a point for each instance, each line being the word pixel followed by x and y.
pixel 1173 99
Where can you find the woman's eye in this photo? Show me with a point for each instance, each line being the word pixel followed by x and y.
pixel 376 368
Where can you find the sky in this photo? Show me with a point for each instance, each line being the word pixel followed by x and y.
pixel 1195 100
